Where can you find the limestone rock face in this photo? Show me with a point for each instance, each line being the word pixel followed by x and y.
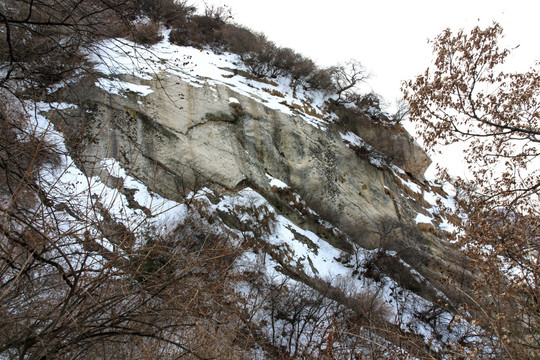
pixel 182 137
pixel 360 180
pixel 392 140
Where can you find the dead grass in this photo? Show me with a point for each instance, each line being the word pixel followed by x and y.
pixel 273 92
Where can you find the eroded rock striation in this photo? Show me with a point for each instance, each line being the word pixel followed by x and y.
pixel 354 181
pixel 182 137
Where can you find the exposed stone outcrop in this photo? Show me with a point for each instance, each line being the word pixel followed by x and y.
pixel 183 137
pixel 392 140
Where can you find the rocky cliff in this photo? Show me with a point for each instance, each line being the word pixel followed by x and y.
pixel 325 197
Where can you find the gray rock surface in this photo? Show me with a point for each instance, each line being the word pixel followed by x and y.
pixel 181 138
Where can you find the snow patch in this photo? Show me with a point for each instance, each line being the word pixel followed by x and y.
pixel 203 67
pixel 118 87
pixel 355 140
pixel 277 183
pixel 423 219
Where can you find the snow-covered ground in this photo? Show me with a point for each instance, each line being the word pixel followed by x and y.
pixel 198 67
pixel 299 248
pixel 315 258
pixel 69 185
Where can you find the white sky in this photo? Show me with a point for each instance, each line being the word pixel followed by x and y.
pixel 388 36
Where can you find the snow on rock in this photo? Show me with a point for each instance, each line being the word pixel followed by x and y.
pixel 305 249
pixel 300 248
pixel 404 179
pixel 355 140
pixel 423 219
pixel 200 67
pixel 277 183
pixel 118 87
pixel 68 185
pixel 313 256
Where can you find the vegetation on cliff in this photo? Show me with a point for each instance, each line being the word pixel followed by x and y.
pixel 93 264
pixel 467 97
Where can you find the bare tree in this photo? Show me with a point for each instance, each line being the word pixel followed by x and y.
pixel 401 113
pixel 37 32
pixel 466 98
pixel 74 281
pixel 346 79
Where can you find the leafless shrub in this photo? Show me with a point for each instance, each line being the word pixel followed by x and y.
pixel 74 282
pixel 261 57
pixel 170 295
pixel 219 13
pixel 240 40
pixel 346 78
pixel 21 153
pixel 172 13
pixel 179 36
pixel 401 113
pixel 265 59
pixel 321 79
pixel 201 30
pixel 41 41
pixel 301 70
pixel 205 30
pixel 146 33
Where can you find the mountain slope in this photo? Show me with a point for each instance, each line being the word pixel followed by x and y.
pixel 317 205
pixel 196 207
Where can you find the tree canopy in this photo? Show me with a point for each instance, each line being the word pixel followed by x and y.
pixel 467 97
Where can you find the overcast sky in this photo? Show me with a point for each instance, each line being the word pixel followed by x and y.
pixel 388 36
